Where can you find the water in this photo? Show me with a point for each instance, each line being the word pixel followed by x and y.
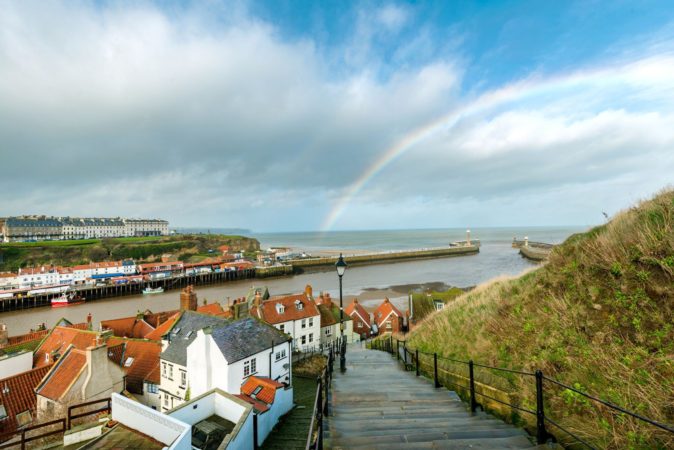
pixel 496 258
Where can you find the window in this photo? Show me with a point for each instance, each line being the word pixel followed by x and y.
pixel 311 337
pixel 304 339
pixel 163 370
pixel 278 356
pixel 170 376
pixel 282 328
pixel 328 331
pixel 360 324
pixel 152 388
pixel 165 401
pixel 183 378
pixel 388 325
pixel 304 323
pixel 249 367
pixel 311 322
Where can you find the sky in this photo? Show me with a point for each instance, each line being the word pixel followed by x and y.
pixel 334 115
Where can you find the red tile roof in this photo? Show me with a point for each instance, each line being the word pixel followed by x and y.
pixel 259 406
pixel 213 309
pixel 155 319
pixel 356 308
pixel 270 314
pixel 58 341
pixel 22 338
pixel 144 361
pixel 384 310
pixel 267 392
pixel 63 375
pixel 132 327
pixel 164 328
pixel 17 394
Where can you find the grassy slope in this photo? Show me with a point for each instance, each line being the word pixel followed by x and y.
pixel 19 254
pixel 423 301
pixel 598 316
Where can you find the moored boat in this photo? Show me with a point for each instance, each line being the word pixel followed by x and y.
pixel 149 290
pixel 66 299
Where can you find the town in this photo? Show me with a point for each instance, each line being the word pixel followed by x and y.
pixel 201 376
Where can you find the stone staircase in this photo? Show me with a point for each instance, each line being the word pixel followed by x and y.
pixel 377 405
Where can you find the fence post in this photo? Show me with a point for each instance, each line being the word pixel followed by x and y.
pixel 390 345
pixel 405 355
pixel 417 357
pixel 435 370
pixel 541 433
pixel 473 400
pixel 397 349
pixel 327 387
pixel 23 440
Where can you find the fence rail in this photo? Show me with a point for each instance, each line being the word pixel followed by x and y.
pixel 410 357
pixel 315 435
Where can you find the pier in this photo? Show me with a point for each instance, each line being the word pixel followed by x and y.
pixel 91 293
pixel 460 249
pixel 535 251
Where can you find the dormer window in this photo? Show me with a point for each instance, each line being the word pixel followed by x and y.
pixel 280 309
pixel 298 304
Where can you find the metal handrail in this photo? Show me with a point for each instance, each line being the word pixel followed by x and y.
pixel 542 434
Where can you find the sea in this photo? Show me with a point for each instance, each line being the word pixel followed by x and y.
pixel 369 283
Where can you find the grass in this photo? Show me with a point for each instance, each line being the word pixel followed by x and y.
pixel 424 301
pixel 68 253
pixel 598 316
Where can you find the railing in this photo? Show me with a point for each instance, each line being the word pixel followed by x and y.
pixel 71 416
pixel 23 439
pixel 411 359
pixel 315 436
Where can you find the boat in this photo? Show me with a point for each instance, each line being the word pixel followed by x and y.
pixel 66 300
pixel 149 290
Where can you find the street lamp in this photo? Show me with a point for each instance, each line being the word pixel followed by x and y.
pixel 340 265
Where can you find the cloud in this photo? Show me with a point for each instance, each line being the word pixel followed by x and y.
pixel 209 116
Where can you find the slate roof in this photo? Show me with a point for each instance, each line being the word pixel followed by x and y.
pixel 17 395
pixel 183 333
pixel 242 338
pixel 64 373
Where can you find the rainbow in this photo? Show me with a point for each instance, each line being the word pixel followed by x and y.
pixel 630 73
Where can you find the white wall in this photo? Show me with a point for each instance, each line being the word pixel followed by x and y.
pixel 15 364
pixel 314 328
pixel 172 385
pixel 161 427
pixel 283 402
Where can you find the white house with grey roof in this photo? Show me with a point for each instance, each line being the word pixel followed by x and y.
pixel 203 352
pixel 226 356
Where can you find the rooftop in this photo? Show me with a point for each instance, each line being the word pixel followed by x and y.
pixel 123 437
pixel 294 307
pixel 138 358
pixel 242 338
pixel 385 310
pixel 356 308
pixel 63 374
pixel 183 332
pixel 17 396
pixel 58 341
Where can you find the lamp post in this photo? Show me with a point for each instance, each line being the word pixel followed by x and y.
pixel 340 265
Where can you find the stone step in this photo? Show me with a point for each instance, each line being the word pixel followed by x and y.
pixel 425 436
pixel 394 423
pixel 516 442
pixel 467 431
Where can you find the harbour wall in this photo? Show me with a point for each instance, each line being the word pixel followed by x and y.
pixel 309 264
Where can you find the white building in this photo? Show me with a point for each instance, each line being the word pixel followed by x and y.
pixel 295 315
pixel 222 358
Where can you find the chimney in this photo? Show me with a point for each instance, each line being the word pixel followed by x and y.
pixel 89 317
pixel 386 300
pixel 188 299
pixel 4 334
pixel 327 300
pixel 258 299
pixel 309 291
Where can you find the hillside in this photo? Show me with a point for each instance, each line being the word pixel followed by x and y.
pixel 598 316
pixel 67 253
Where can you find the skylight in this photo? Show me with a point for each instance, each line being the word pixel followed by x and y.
pixel 128 362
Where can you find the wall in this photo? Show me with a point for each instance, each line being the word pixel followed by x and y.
pixel 206 366
pixel 15 363
pixel 314 329
pixel 283 402
pixel 172 385
pixel 161 427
